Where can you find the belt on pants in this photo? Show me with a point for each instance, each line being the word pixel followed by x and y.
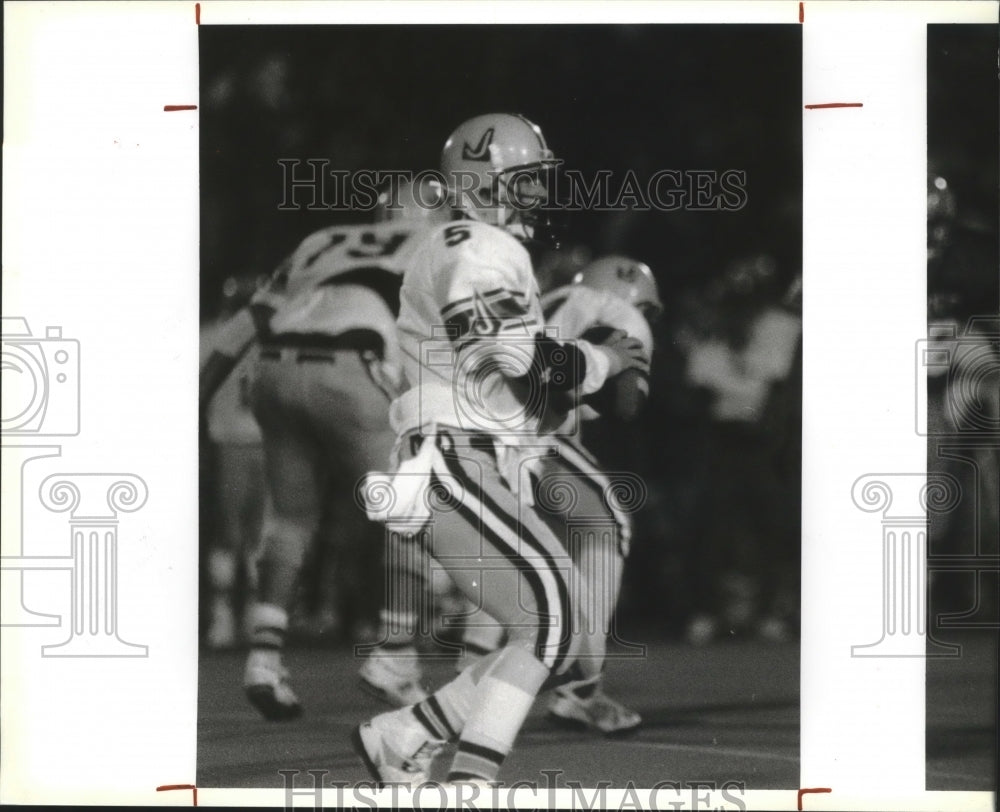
pixel 482 442
pixel 300 355
pixel 322 348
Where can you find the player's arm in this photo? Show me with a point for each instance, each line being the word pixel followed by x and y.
pixel 622 395
pixel 234 339
pixel 625 394
pixel 589 314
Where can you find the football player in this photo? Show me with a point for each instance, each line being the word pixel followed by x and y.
pixel 237 478
pixel 480 368
pixel 328 366
pixel 613 292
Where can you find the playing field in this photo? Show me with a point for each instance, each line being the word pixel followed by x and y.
pixel 726 712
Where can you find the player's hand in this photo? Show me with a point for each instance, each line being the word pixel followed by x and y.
pixel 624 353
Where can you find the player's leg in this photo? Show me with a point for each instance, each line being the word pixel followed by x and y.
pixel 229 486
pixel 293 480
pixel 240 489
pixel 392 669
pixel 571 487
pixel 575 499
pixel 251 522
pixel 317 611
pixel 481 635
pixel 505 560
pixel 360 437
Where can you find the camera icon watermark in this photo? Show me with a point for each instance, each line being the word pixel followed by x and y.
pixel 958 379
pixel 41 381
pixel 492 378
pixel 41 400
pixel 958 408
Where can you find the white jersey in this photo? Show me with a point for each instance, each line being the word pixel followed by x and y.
pixel 574 309
pixel 571 310
pixel 469 308
pixel 340 278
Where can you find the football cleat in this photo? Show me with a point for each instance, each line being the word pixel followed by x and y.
pixel 266 684
pixel 585 705
pixel 393 677
pixel 396 749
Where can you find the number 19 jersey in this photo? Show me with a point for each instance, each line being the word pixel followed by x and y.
pixel 340 278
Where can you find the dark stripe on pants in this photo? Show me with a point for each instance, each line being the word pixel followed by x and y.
pixel 521 531
pixel 517 561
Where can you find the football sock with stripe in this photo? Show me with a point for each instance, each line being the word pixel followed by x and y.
pixel 268 626
pixel 444 712
pixel 484 707
pixel 501 703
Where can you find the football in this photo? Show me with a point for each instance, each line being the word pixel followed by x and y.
pixel 624 395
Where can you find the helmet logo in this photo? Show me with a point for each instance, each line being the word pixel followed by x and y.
pixel 481 151
pixel 626 273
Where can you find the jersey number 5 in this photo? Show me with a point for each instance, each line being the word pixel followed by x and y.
pixel 453 235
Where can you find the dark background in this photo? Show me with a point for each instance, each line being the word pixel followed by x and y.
pixel 963 124
pixel 963 147
pixel 607 97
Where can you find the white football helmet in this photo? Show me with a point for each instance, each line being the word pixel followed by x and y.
pixel 423 199
pixel 626 278
pixel 495 166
